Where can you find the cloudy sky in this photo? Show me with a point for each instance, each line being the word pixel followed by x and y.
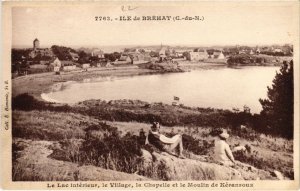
pixel 224 24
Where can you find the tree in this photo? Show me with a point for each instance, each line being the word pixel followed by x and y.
pixel 154 54
pixel 278 108
pixel 185 54
pixel 113 56
pixel 240 59
pixel 63 53
pixel 83 57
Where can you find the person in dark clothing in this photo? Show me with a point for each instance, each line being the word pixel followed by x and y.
pixel 164 143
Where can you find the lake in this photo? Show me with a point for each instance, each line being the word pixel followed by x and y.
pixel 219 87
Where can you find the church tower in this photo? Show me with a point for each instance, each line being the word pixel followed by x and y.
pixel 36 44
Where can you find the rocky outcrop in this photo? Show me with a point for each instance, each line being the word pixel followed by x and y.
pixel 199 169
pixel 32 163
pixel 164 67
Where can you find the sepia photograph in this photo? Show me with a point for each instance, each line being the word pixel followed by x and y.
pixel 152 93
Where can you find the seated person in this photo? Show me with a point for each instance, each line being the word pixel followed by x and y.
pixel 164 143
pixel 222 151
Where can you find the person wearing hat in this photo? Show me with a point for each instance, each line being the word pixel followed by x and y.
pixel 222 151
pixel 164 143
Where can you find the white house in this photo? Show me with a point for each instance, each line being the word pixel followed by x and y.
pixel 218 55
pixel 86 65
pixel 124 59
pixel 55 63
pixel 277 50
pixel 68 65
pixel 200 55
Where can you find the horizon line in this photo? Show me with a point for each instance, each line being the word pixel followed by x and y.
pixel 135 45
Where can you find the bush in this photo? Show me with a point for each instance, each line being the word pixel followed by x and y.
pixel 256 160
pixel 27 102
pixel 108 150
pixel 196 146
pixel 104 147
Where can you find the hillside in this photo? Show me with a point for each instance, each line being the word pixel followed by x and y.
pixel 69 146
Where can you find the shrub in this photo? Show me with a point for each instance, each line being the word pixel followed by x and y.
pixel 271 164
pixel 25 102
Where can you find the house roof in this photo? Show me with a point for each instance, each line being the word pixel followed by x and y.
pixel 123 58
pixel 200 50
pixel 162 50
pixel 67 63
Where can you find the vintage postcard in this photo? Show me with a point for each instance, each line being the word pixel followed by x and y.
pixel 150 95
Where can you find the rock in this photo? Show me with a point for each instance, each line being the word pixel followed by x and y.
pixel 147 157
pixel 278 175
pixel 251 168
pixel 243 127
pixel 174 168
pixel 198 168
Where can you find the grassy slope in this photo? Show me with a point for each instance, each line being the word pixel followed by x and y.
pixel 35 133
pixel 41 128
pixel 34 164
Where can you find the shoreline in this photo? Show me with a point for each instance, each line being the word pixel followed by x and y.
pixel 36 84
pixel 43 83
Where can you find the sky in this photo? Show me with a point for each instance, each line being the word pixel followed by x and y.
pixel 224 24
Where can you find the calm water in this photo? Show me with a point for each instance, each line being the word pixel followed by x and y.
pixel 217 88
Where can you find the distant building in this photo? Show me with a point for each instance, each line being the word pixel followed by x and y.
pixel 277 50
pixel 162 52
pixel 68 65
pixel 36 44
pixel 43 52
pixel 140 58
pixel 257 51
pixel 98 53
pixel 137 56
pixel 55 65
pixel 108 65
pixel 242 51
pixel 218 55
pixel 124 59
pixel 196 56
pixel 55 62
pixel 86 65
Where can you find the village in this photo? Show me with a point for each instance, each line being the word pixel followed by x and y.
pixel 60 59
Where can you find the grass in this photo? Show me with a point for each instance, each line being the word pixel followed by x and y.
pixel 116 145
pixel 37 125
pixel 143 112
